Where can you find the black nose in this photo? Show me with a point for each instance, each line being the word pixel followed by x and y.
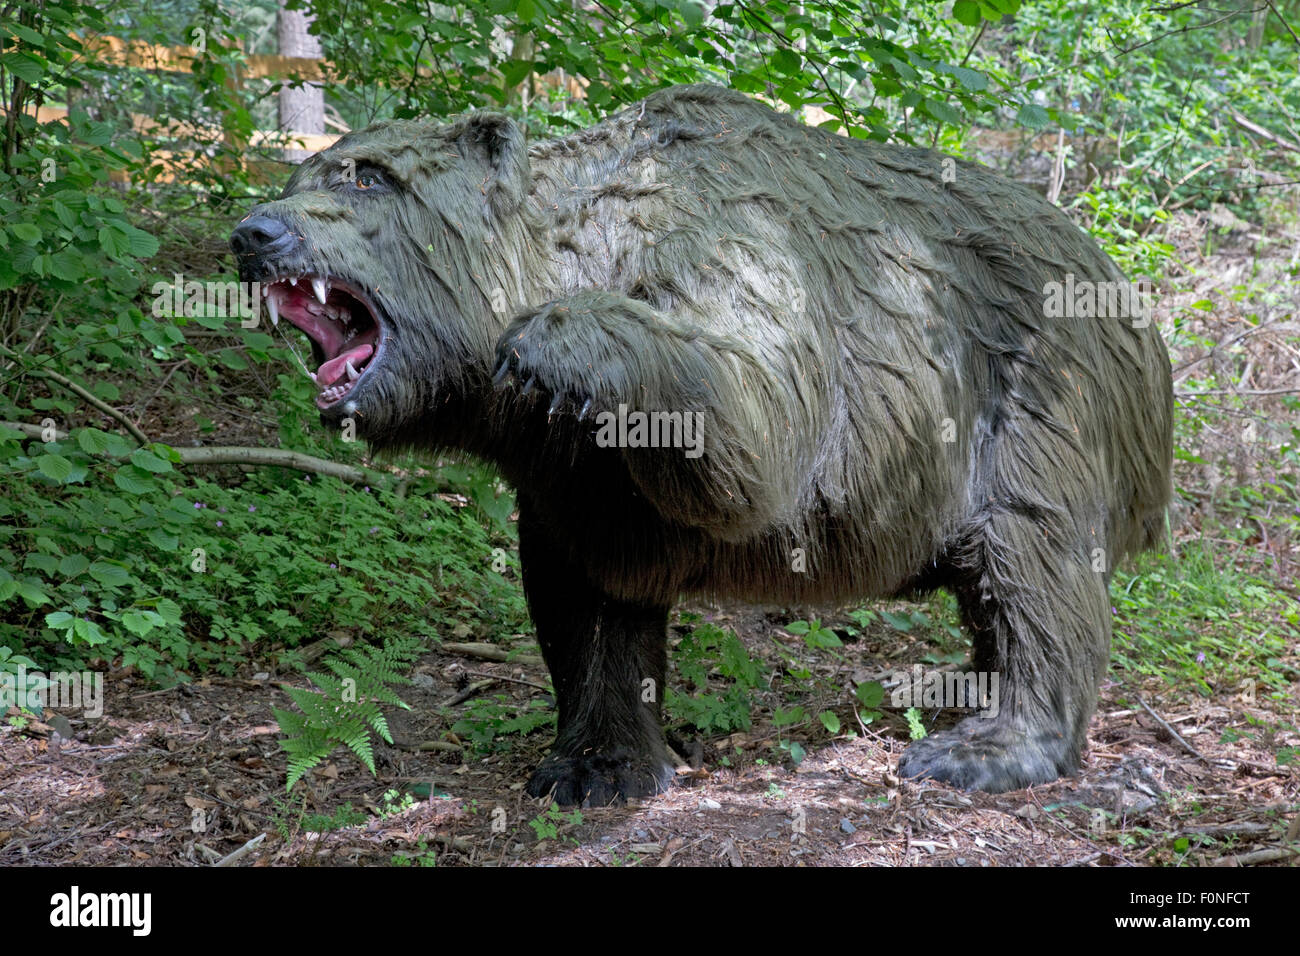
pixel 261 236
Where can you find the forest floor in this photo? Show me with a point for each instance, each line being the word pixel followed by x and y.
pixel 191 774
pixel 1175 772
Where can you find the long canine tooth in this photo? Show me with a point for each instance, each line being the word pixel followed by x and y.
pixel 352 372
pixel 273 309
pixel 318 288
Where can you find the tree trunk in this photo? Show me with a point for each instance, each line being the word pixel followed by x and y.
pixel 302 109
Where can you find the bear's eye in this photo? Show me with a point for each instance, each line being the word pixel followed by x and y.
pixel 366 177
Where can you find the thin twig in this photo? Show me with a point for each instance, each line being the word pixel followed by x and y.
pixel 1173 733
pixel 513 680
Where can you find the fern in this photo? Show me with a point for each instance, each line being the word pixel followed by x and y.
pixel 344 709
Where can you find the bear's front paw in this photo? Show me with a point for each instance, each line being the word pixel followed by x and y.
pixel 555 354
pixel 600 779
pixel 982 754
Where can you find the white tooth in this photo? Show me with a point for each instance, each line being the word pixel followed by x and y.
pixel 266 290
pixel 273 309
pixel 318 287
pixel 352 372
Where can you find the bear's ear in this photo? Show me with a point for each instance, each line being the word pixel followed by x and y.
pixel 497 142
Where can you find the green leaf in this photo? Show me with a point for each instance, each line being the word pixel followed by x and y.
pixel 897 621
pixel 113 241
pixel 89 632
pixel 32 594
pixel 26 231
pixel 140 623
pixel 691 12
pixel 147 460
pixel 170 610
pixel 966 12
pixel 162 540
pixel 26 33
pixel 41 562
pixel 110 574
pixel 972 80
pixel 787 62
pixel 941 111
pixel 514 72
pixel 24 66
pixel 830 721
pixel 73 564
pixel 91 440
pixel 54 466
pixel 65 215
pixel 870 693
pixel 1033 116
pixel 67 266
pixel 139 243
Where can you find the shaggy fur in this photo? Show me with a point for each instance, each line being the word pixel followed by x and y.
pixel 835 310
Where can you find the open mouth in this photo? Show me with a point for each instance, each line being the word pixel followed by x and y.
pixel 341 321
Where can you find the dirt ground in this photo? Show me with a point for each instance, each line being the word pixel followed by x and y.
pixel 193 774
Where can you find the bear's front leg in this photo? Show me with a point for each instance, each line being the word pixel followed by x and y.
pixel 608 660
pixel 750 448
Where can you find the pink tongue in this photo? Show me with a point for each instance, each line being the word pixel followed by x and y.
pixel 332 370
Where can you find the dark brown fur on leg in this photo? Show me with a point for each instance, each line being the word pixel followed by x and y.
pixel 608 661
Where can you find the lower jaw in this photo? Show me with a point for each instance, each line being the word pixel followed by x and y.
pixel 335 394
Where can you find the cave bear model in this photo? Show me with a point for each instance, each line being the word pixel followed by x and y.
pixel 867 341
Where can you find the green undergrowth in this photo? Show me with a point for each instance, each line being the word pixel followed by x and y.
pixel 1197 621
pixel 114 553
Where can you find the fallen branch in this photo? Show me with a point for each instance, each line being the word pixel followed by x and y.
pixel 1270 855
pixel 490 652
pixel 244 850
pixel 469 692
pixel 513 680
pixel 1260 131
pixel 86 396
pixel 438 746
pixel 242 455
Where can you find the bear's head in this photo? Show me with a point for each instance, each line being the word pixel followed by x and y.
pixel 396 251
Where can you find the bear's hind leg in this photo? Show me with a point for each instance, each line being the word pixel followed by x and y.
pixel 608 660
pixel 1039 616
